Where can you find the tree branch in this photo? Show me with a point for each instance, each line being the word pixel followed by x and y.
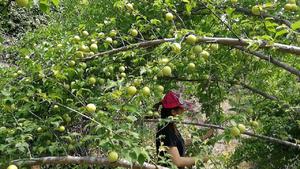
pixel 272 60
pixel 252 89
pixel 270 139
pixel 264 15
pixel 129 47
pixel 236 43
pixel 246 11
pixel 85 160
pixel 257 91
pixel 224 41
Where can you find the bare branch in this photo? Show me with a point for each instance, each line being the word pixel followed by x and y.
pixel 85 160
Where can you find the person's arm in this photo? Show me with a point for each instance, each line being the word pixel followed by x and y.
pixel 180 161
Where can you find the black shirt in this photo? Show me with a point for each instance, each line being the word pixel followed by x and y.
pixel 170 137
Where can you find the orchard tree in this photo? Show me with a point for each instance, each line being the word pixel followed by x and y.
pixel 81 90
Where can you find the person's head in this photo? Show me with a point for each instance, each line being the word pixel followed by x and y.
pixel 172 105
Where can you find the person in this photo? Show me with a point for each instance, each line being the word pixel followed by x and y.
pixel 168 136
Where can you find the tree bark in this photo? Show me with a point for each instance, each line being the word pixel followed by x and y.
pixel 224 41
pixel 84 160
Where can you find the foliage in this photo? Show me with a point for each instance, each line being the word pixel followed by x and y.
pixel 50 86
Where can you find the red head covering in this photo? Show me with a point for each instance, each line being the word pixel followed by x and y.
pixel 172 100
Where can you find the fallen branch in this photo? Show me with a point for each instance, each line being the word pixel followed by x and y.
pixel 270 139
pixel 84 160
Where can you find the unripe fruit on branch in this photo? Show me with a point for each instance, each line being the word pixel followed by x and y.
pixel 108 40
pixel 167 71
pixel 12 167
pixel 84 48
pixel 164 61
pixel 85 33
pixel 94 47
pixel 79 54
pixel 233 1
pixel 290 7
pixel 92 80
pixel 255 10
pixel 191 66
pixel 112 156
pixel 214 46
pixel 197 49
pixel 113 33
pixel 234 131
pixel 137 82
pixel 121 68
pixel 146 91
pixel 204 54
pixel 129 6
pixel 191 39
pixel 242 128
pixel 131 90
pixel 61 128
pixel 160 88
pixel 176 47
pixel 71 63
pixel 91 108
pixel 254 124
pixel 134 32
pixel 101 35
pixel 169 16
pixel 76 38
pixel 123 74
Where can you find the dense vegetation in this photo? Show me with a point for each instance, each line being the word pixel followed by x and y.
pixel 63 95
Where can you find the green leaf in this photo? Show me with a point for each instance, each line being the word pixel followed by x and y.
pixel 56 3
pixel 282 32
pixel 84 2
pixel 141 158
pixel 44 6
pixel 229 11
pixel 296 25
